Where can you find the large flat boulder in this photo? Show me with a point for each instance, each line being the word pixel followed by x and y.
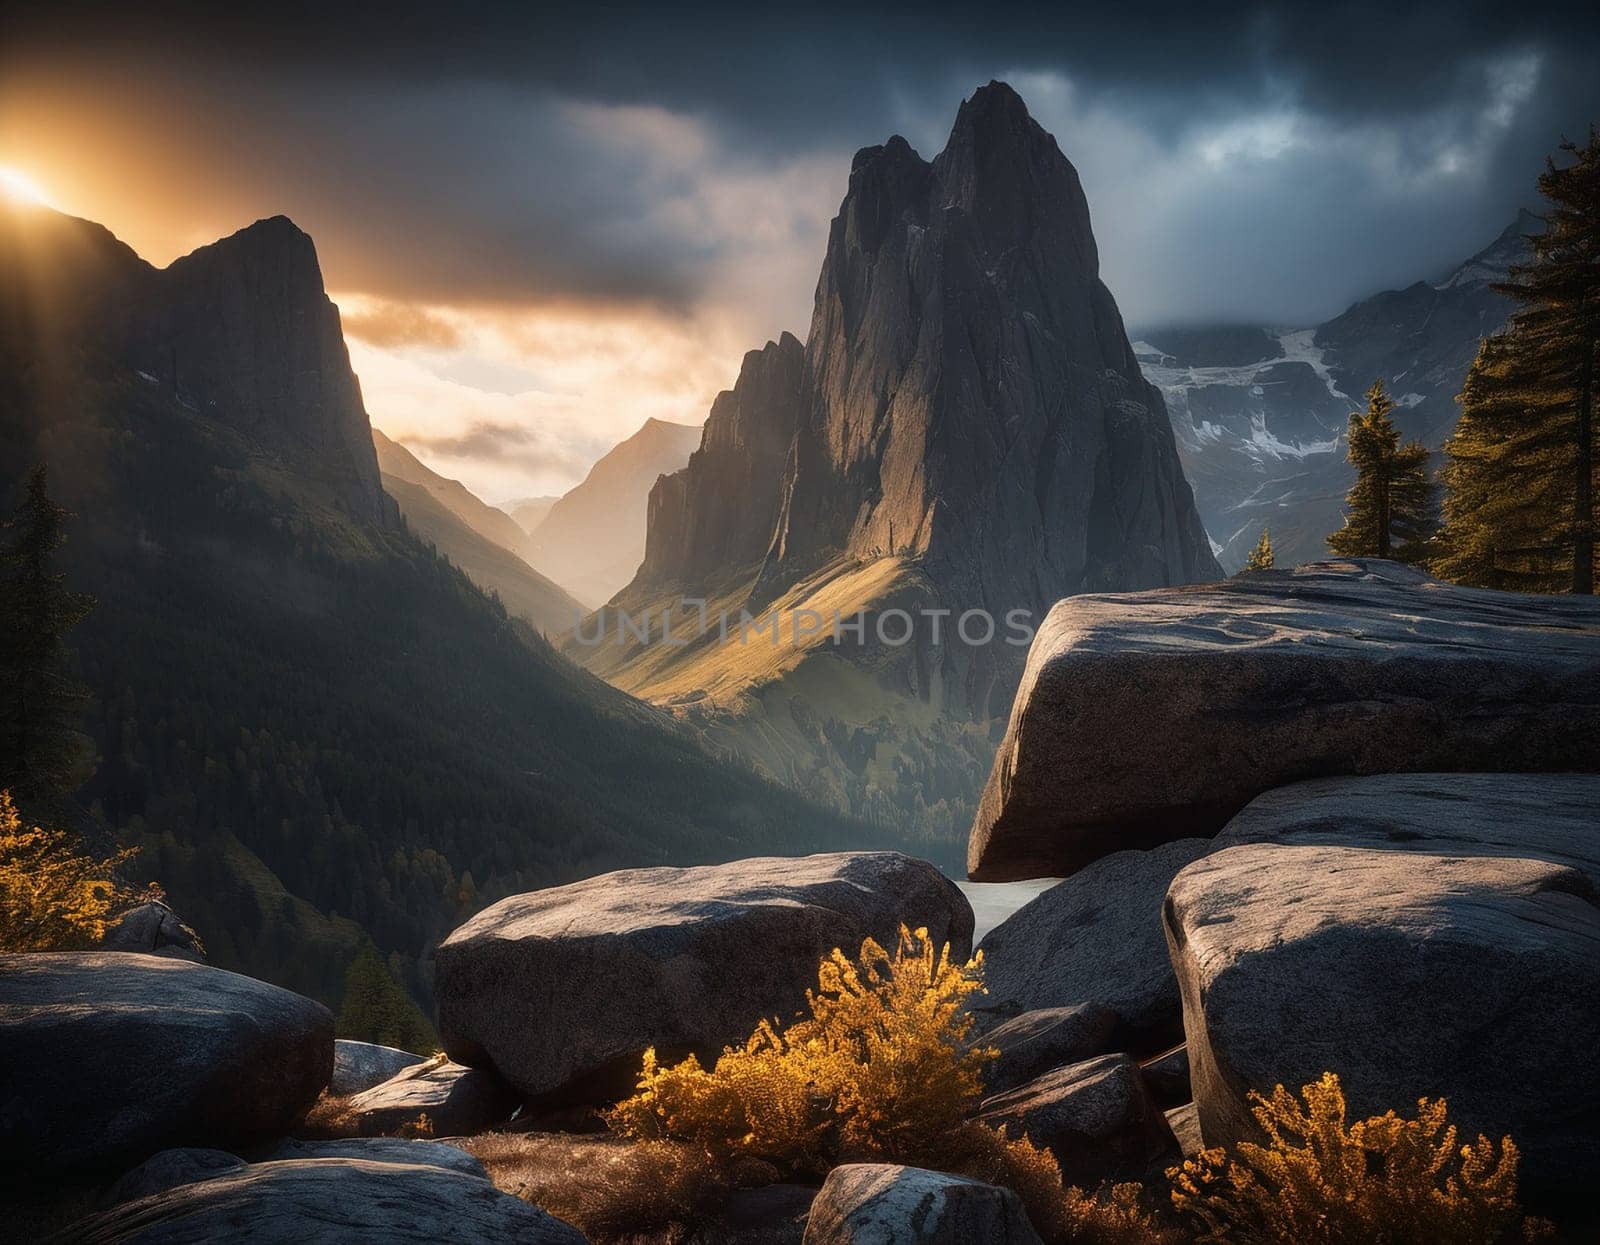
pixel 1097 1117
pixel 1554 817
pixel 1441 938
pixel 444 1098
pixel 562 990
pixel 169 1169
pixel 112 1056
pixel 1150 716
pixel 361 1065
pixel 314 1200
pixel 883 1204
pixel 401 1150
pixel 1095 940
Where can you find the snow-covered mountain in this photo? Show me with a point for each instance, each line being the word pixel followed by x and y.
pixel 1260 413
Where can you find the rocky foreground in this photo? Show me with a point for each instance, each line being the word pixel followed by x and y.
pixel 1146 717
pixel 1418 933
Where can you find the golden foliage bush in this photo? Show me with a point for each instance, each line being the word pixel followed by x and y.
pixel 54 894
pixel 1380 1181
pixel 1113 1215
pixel 881 1071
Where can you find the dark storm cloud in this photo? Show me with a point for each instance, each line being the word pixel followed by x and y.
pixel 439 151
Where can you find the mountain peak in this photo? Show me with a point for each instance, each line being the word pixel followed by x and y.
pixel 1495 261
pixel 957 301
pixel 995 105
pixel 655 428
pixel 275 240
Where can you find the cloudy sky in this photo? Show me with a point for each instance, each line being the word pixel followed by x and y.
pixel 543 230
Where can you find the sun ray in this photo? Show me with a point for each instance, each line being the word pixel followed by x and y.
pixel 18 186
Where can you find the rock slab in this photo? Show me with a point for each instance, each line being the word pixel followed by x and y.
pixel 328 1200
pixel 401 1150
pixel 882 1204
pixel 112 1056
pixel 1431 935
pixel 361 1065
pixel 1035 1042
pixel 1097 1117
pixel 1144 717
pixel 170 1169
pixel 456 1100
pixel 1096 939
pixel 563 989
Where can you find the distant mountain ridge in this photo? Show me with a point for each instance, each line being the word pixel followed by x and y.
pixel 1260 413
pixel 481 539
pixel 529 512
pixel 593 538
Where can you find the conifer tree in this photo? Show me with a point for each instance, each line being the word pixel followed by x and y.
pixel 43 753
pixel 1389 509
pixel 1520 468
pixel 377 1009
pixel 1261 557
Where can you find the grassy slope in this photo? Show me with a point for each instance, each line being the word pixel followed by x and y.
pixel 845 727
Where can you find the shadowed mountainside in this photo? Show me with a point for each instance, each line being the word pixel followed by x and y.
pixel 316 727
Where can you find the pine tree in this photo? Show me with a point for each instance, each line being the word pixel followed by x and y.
pixel 43 754
pixel 1390 506
pixel 1520 470
pixel 1261 558
pixel 377 1009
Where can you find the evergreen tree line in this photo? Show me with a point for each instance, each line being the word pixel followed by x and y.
pixel 1519 473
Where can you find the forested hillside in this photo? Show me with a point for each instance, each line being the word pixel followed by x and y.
pixel 313 724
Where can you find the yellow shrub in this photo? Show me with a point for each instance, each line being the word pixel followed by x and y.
pixel 1381 1181
pixel 1114 1215
pixel 881 1069
pixel 53 894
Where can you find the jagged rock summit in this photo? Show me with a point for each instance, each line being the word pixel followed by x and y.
pixel 240 331
pixel 965 428
pixel 967 397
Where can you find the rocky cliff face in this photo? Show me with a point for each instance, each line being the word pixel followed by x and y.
pixel 966 428
pixel 718 513
pixel 240 331
pixel 967 397
pixel 244 331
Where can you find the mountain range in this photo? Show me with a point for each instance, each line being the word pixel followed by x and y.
pixel 1260 413
pixel 592 538
pixel 317 729
pixel 529 512
pixel 965 429
pixel 483 540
